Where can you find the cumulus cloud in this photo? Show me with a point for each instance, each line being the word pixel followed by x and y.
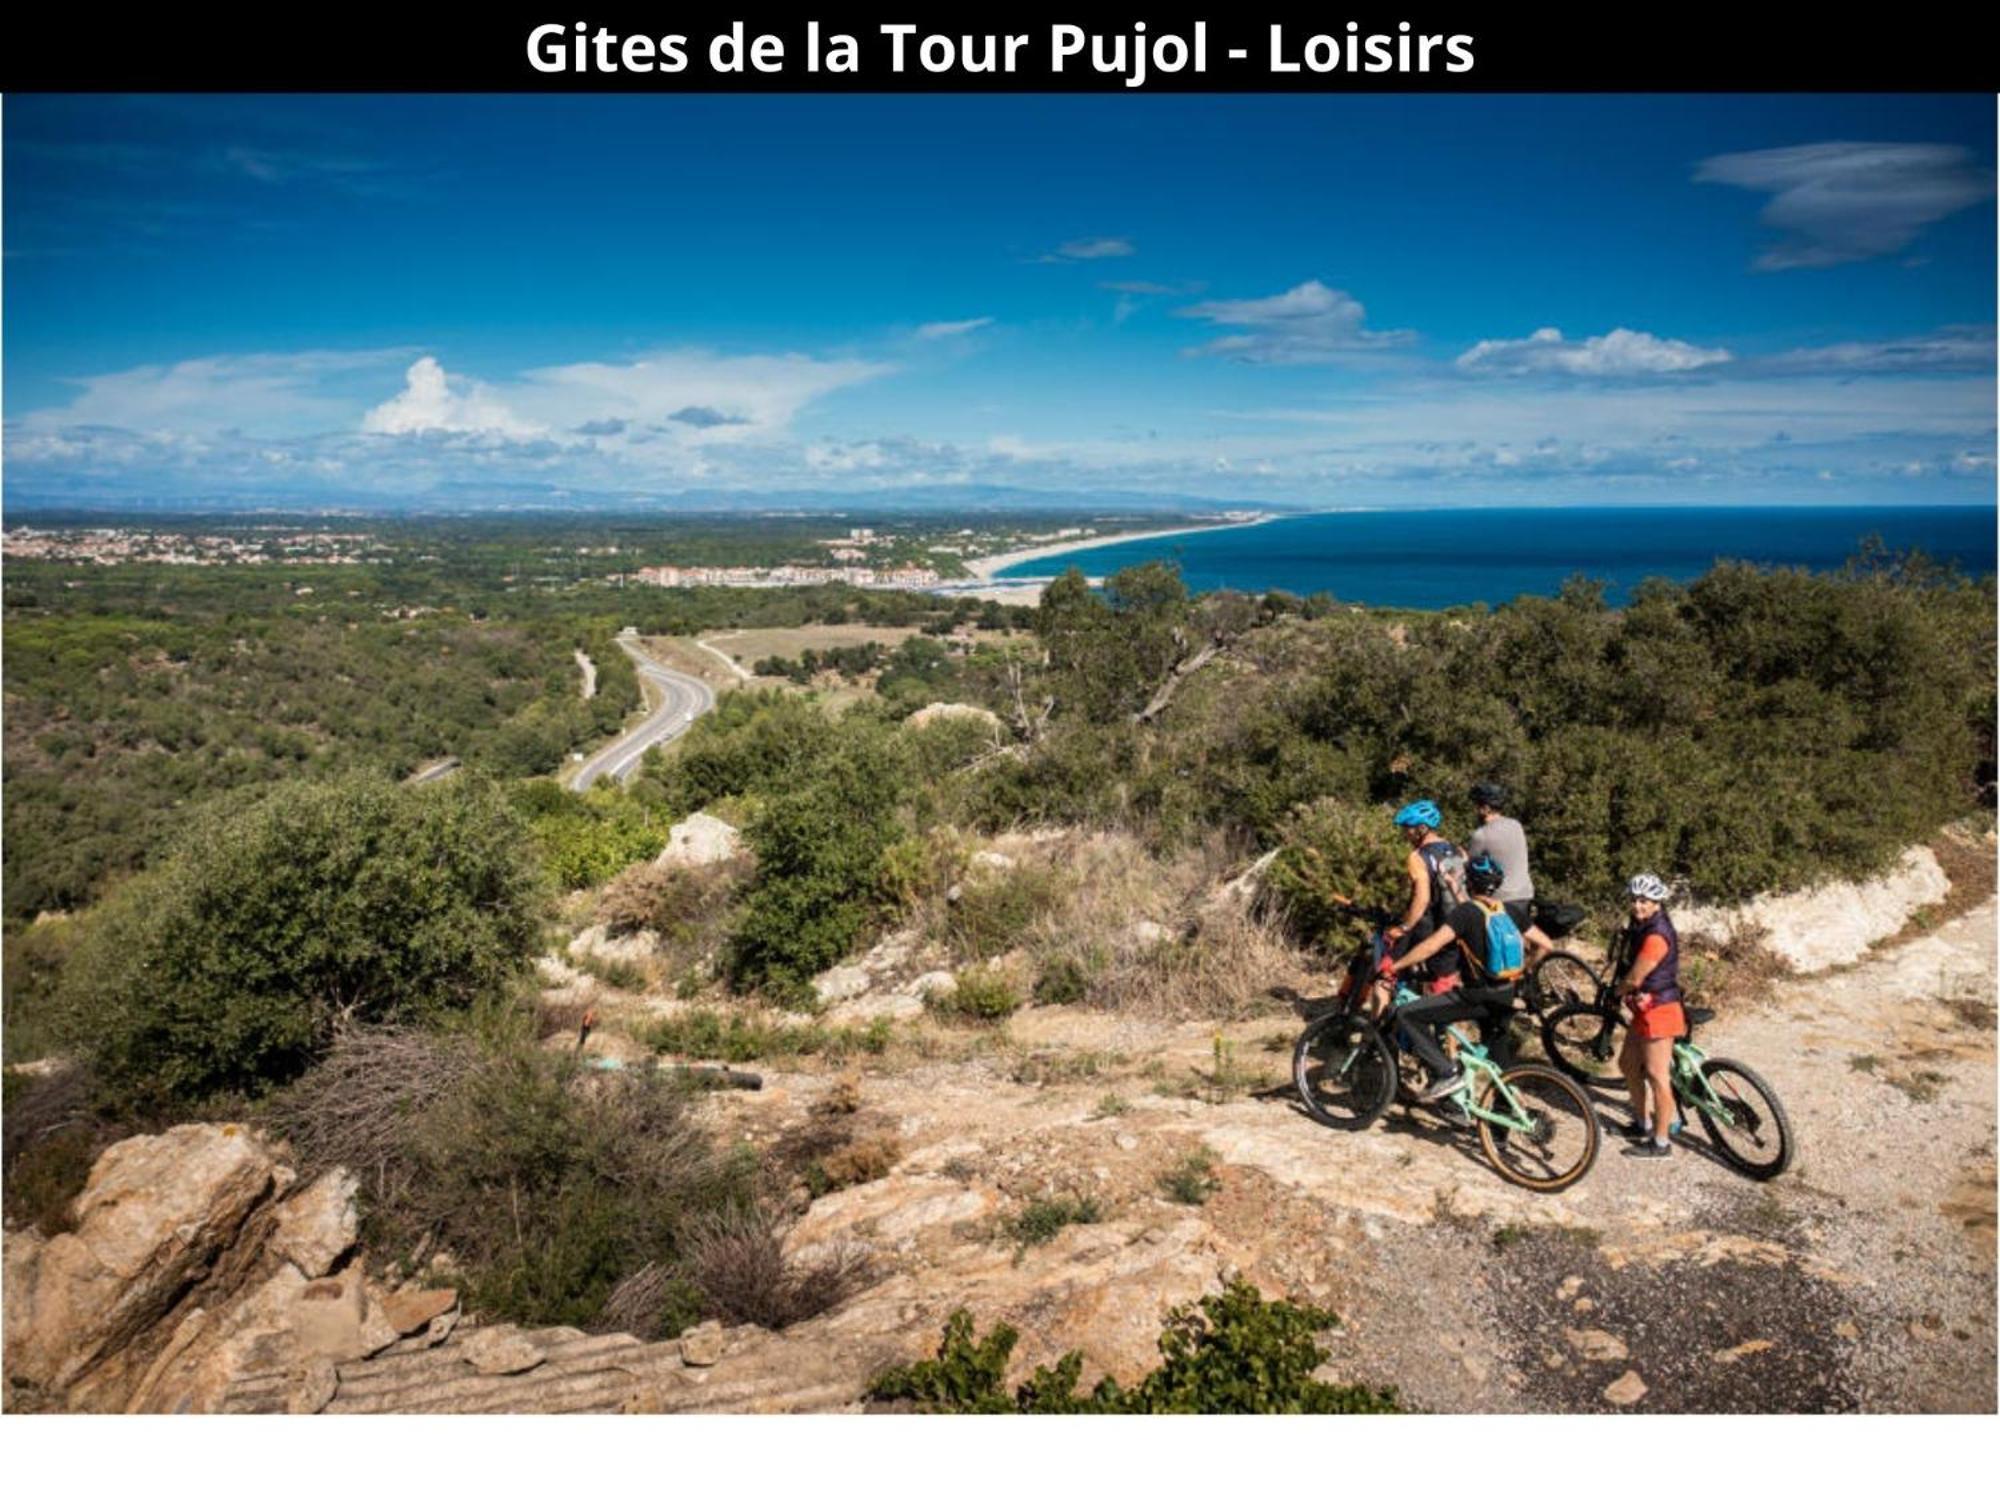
pixel 1621 353
pixel 1102 247
pixel 431 401
pixel 1839 201
pixel 950 330
pixel 1311 324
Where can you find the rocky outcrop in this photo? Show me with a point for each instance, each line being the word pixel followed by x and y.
pixel 698 841
pixel 1831 924
pixel 200 1260
pixel 932 713
pixel 153 1222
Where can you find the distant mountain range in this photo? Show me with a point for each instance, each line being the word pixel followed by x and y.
pixel 967 499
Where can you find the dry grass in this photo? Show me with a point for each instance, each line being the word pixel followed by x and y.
pixel 739 1260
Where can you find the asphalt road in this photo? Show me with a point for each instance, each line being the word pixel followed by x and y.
pixel 682 699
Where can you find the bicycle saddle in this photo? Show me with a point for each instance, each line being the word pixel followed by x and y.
pixel 1698 1015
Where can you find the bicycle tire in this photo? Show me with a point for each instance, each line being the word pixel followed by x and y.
pixel 1548 1096
pixel 1560 979
pixel 1768 1122
pixel 1582 1043
pixel 1344 1071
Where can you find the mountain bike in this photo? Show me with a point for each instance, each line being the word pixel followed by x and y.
pixel 1536 1128
pixel 1739 1111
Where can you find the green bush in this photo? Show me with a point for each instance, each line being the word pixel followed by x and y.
pixel 273 919
pixel 1334 856
pixel 585 839
pixel 981 994
pixel 1231 1353
pixel 820 848
pixel 995 908
pixel 1045 1218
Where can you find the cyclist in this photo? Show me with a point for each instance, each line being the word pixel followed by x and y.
pixel 1651 990
pixel 1504 839
pixel 1489 999
pixel 1436 869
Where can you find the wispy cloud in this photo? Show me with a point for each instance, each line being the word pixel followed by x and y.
pixel 1311 324
pixel 950 330
pixel 1622 353
pixel 1952 350
pixel 1839 201
pixel 1105 247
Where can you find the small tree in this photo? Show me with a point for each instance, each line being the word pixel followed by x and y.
pixel 227 967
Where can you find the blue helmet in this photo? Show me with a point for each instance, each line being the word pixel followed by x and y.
pixel 1483 875
pixel 1419 815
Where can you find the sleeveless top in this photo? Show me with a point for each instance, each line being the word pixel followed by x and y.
pixel 1664 982
pixel 1446 867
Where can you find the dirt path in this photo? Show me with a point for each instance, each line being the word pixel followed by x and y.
pixel 1862 1280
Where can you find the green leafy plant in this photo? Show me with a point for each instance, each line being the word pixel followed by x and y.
pixel 1191 1179
pixel 1232 1352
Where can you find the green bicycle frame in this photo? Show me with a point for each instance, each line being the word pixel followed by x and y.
pixel 1472 1056
pixel 1691 1085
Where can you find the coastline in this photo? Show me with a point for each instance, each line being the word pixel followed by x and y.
pixel 983 568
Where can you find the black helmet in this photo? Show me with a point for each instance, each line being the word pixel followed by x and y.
pixel 1490 794
pixel 1483 875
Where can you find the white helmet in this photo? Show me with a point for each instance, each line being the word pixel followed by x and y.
pixel 1647 887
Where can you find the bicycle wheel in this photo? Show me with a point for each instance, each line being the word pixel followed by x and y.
pixel 1756 1139
pixel 1559 1145
pixel 1582 1041
pixel 1559 979
pixel 1345 1071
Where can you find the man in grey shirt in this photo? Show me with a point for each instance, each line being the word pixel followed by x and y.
pixel 1504 839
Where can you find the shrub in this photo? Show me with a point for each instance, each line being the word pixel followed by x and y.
pixel 1232 1352
pixel 820 848
pixel 1063 982
pixel 739 1260
pixel 586 839
pixel 1043 1219
pixel 734 1037
pixel 995 909
pixel 1191 1179
pixel 552 1186
pixel 1334 855
pixel 981 994
pixel 273 919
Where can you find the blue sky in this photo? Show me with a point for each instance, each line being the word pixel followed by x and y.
pixel 1415 300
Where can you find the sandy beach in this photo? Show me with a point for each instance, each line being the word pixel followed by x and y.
pixel 983 568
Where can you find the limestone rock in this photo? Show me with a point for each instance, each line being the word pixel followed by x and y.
pixel 318 1225
pixel 410 1310
pixel 991 859
pixel 1596 1344
pixel 1830 924
pixel 842 982
pixel 701 1345
pixel 1626 1390
pixel 699 840
pixel 499 1351
pixel 316 1387
pixel 898 1005
pixel 596 943
pixel 155 1214
pixel 932 713
pixel 335 1318
pixel 1147 934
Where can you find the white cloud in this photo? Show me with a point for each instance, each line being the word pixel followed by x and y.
pixel 429 402
pixel 1952 350
pixel 1619 353
pixel 1311 324
pixel 268 392
pixel 711 397
pixel 950 330
pixel 1840 201
pixel 1103 247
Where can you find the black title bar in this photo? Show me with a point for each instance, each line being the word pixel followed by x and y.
pixel 999 49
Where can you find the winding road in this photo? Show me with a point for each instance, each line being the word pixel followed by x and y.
pixel 683 699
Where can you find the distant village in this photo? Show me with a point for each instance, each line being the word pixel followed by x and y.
pixel 112 545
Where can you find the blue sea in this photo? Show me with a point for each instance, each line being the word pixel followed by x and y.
pixel 1429 559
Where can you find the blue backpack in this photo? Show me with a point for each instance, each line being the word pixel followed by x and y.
pixel 1503 961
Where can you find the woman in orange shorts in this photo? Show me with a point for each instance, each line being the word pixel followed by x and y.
pixel 1651 990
